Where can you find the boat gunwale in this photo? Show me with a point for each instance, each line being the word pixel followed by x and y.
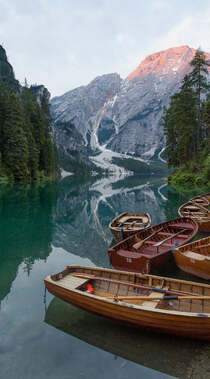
pixel 182 249
pixel 136 274
pixel 123 303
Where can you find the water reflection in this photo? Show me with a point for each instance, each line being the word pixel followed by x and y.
pixel 175 199
pixel 84 210
pixel 168 354
pixel 26 229
pixel 73 215
pixel 43 229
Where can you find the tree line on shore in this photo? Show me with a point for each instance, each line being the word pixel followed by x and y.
pixel 186 125
pixel 27 148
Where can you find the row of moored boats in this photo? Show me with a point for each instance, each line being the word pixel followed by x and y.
pixel 132 293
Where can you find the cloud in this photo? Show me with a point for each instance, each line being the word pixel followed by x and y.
pixel 193 31
pixel 64 44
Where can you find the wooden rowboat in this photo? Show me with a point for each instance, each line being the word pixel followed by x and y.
pixel 150 249
pixel 127 224
pixel 199 211
pixel 162 304
pixel 202 199
pixel 194 258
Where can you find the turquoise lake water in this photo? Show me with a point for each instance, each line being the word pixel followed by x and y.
pixel 45 227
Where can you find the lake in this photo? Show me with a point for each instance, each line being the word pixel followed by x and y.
pixel 46 227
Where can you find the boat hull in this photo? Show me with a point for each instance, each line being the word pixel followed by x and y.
pixel 203 226
pixel 191 266
pixel 200 205
pixel 181 325
pixel 133 262
pixel 120 233
pixel 149 259
pixel 194 258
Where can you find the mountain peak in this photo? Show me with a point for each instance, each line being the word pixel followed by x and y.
pixel 3 55
pixel 166 62
pixel 6 72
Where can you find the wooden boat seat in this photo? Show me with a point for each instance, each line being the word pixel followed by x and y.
pixel 195 214
pixel 171 234
pixel 127 253
pixel 123 219
pixel 150 242
pixel 191 207
pixel 181 226
pixel 71 282
pixel 153 304
pixel 195 256
pixel 137 245
pixel 167 234
pixel 167 244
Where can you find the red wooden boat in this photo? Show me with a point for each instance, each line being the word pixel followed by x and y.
pixel 149 249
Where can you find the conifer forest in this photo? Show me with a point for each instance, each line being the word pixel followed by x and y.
pixel 187 126
pixel 27 148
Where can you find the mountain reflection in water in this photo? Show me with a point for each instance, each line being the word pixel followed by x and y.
pixel 85 209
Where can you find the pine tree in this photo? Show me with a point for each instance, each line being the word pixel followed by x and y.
pixel 28 106
pixel 15 152
pixel 199 81
pixel 3 107
pixel 171 133
pixel 186 120
pixel 206 119
pixel 179 125
pixel 27 148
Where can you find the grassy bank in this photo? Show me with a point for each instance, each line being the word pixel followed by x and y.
pixel 191 176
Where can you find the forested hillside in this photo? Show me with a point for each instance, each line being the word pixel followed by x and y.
pixel 187 127
pixel 27 148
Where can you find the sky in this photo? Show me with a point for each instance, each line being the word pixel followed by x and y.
pixel 64 44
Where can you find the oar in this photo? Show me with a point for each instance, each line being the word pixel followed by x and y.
pixel 140 243
pixel 154 289
pixel 161 298
pixel 168 238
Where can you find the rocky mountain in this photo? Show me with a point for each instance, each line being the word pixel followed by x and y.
pixel 40 92
pixel 6 72
pixel 82 104
pixel 74 115
pixel 124 116
pixel 7 76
